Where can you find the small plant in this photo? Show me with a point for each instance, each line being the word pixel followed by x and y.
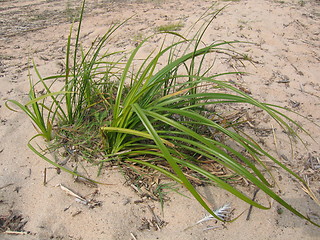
pixel 36 109
pixel 155 119
pixel 137 39
pixel 172 27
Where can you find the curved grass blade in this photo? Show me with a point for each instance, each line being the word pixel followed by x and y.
pixel 170 159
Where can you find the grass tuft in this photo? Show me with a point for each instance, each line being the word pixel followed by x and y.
pixel 156 119
pixel 172 27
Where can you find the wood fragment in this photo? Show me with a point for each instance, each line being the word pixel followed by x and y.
pixel 135 188
pixel 211 227
pixel 250 208
pixel 138 201
pixel 298 72
pixel 7 185
pixel 15 232
pixel 45 177
pixel 76 213
pixel 72 193
pixel 84 202
pixel 8 220
pixel 284 81
pixel 156 218
pixel 133 236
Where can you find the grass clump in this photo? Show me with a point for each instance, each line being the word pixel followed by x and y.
pixel 171 27
pixel 155 120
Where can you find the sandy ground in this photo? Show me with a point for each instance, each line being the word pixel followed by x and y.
pixel 286 72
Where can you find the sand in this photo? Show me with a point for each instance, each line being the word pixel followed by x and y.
pixel 286 54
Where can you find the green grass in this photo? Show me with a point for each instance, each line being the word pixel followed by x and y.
pixel 172 27
pixel 138 38
pixel 119 110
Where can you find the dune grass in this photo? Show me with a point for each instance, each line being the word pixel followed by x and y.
pixel 154 116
